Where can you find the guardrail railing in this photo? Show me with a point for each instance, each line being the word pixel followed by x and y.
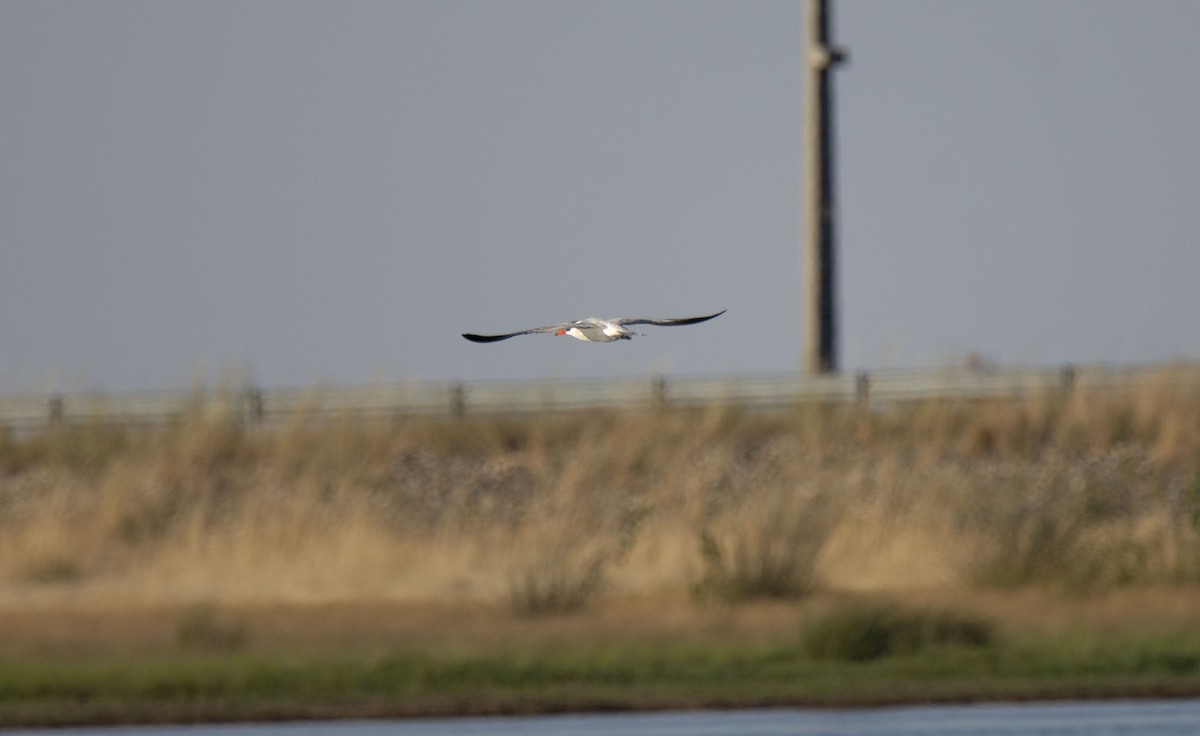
pixel 27 411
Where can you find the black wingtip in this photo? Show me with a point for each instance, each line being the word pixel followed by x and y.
pixel 694 320
pixel 484 338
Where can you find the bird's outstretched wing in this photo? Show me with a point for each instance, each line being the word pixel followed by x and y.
pixel 497 338
pixel 666 322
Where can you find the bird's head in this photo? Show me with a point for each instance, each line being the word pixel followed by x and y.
pixel 562 331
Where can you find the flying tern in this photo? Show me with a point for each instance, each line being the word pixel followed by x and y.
pixel 594 329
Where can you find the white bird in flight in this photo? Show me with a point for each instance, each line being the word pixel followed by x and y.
pixel 594 329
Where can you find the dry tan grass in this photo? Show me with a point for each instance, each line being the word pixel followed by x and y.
pixel 1094 492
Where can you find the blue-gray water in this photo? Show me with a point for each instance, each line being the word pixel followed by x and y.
pixel 1140 718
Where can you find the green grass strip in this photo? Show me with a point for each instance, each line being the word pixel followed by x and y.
pixel 623 677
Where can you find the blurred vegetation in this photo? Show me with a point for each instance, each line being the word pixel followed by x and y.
pixel 522 538
pixel 202 626
pixel 1085 491
pixel 866 632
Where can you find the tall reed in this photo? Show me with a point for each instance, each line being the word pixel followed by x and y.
pixel 546 514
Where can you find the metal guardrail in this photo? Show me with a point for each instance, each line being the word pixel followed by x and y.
pixel 31 411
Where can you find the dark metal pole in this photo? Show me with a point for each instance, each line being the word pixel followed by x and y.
pixel 820 318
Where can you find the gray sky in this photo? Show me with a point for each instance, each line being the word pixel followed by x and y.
pixel 312 192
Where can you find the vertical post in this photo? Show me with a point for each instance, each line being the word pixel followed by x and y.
pixel 1067 379
pixel 862 388
pixel 57 403
pixel 458 400
pixel 252 406
pixel 820 323
pixel 659 391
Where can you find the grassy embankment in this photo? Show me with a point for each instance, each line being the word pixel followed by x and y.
pixel 1043 547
